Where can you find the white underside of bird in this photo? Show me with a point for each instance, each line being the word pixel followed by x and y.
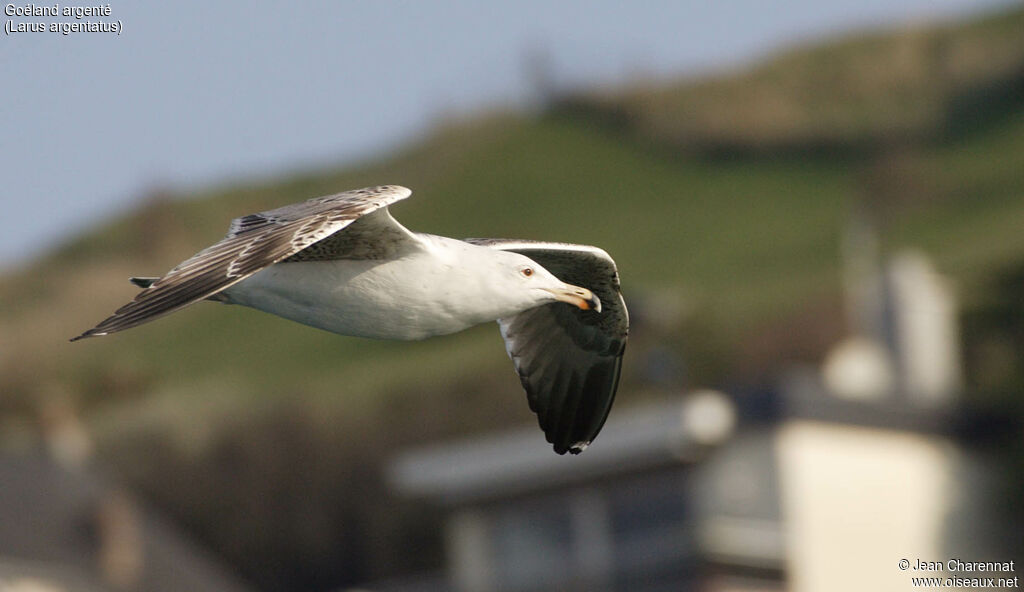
pixel 434 289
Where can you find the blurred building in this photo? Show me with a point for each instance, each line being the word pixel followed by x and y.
pixel 64 528
pixel 822 482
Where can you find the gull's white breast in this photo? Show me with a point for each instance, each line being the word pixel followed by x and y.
pixel 414 296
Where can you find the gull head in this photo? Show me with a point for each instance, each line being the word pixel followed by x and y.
pixel 522 284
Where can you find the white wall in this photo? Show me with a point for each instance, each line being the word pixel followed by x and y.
pixel 855 501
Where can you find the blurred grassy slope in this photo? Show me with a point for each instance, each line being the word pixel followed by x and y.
pixel 918 82
pixel 740 239
pixel 699 228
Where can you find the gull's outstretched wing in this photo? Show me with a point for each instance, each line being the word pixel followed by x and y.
pixel 258 240
pixel 568 359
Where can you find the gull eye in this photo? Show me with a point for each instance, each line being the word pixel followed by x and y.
pixel 526 271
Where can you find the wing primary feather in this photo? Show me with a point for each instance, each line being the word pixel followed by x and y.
pixel 602 417
pixel 551 398
pixel 591 418
pixel 563 436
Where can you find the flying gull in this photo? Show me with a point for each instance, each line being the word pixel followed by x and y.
pixel 342 263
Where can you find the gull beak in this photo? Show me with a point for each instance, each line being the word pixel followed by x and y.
pixel 576 296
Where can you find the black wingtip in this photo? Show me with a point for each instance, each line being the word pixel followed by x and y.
pixel 576 448
pixel 85 335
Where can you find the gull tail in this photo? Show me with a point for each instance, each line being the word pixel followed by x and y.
pixel 143 282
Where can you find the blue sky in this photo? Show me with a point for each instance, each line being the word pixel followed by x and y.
pixel 192 93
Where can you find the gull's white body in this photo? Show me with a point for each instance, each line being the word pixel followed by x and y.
pixel 435 288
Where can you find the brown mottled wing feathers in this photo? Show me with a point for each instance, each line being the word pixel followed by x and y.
pixel 253 242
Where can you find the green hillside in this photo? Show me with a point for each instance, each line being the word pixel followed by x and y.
pixel 735 240
pixel 919 82
pixel 714 246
